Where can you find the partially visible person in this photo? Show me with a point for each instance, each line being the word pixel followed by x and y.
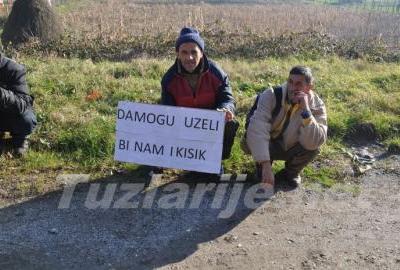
pixel 293 133
pixel 16 107
pixel 195 81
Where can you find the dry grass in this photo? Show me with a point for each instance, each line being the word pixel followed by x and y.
pixel 120 18
pixel 126 29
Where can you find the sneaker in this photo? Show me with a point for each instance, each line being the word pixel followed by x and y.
pixel 294 180
pixel 20 146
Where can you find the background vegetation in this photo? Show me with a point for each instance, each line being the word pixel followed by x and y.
pixel 125 29
pixel 119 50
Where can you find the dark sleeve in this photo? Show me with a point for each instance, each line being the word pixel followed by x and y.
pixel 225 97
pixel 166 97
pixel 14 91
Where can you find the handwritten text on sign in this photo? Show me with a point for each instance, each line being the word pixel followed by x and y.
pixel 168 136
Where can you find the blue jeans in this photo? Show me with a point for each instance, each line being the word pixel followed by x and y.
pixel 19 125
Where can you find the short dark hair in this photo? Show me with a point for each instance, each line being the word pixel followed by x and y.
pixel 303 70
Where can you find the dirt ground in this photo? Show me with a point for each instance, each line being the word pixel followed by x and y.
pixel 305 228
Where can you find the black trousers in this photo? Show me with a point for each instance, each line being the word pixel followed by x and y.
pixel 19 125
pixel 231 128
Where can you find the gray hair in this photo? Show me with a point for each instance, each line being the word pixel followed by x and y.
pixel 303 70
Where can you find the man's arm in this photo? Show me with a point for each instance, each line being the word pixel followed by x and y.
pixel 258 135
pixel 166 97
pixel 259 129
pixel 224 98
pixel 313 132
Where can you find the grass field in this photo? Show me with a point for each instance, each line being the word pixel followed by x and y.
pixel 76 133
pixel 77 86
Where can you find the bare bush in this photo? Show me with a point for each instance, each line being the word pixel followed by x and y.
pixel 31 18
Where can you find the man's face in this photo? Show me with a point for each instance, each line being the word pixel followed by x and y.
pixel 190 55
pixel 297 84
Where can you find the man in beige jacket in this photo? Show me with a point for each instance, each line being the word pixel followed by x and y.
pixel 294 134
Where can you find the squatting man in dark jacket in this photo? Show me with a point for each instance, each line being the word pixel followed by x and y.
pixel 294 134
pixel 194 81
pixel 16 107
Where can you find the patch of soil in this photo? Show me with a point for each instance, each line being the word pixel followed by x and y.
pixel 363 133
pixel 306 228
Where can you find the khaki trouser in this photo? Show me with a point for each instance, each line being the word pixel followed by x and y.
pixel 296 158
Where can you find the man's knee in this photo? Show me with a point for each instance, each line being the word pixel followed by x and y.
pixel 22 124
pixel 28 122
pixel 299 157
pixel 309 154
pixel 299 151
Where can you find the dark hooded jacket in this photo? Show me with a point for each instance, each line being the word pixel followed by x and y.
pixel 14 91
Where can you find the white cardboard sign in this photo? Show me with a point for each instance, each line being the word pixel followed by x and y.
pixel 169 136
